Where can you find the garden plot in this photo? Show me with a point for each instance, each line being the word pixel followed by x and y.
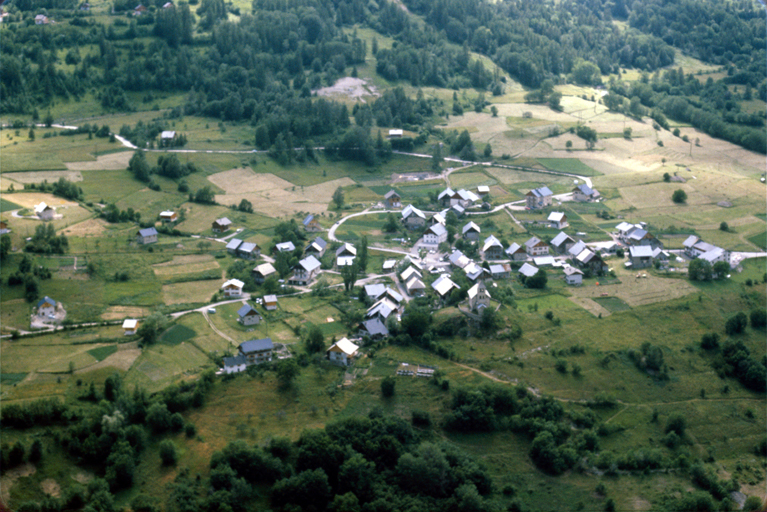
pixel 193 291
pixel 120 312
pixel 90 227
pixel 31 199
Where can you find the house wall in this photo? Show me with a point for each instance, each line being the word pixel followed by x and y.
pixel 250 320
pixel 235 369
pixel 574 279
pixel 338 357
pixel 147 239
pixel 538 250
pixel 232 292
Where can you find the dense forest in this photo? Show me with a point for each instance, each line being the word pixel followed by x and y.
pixel 262 66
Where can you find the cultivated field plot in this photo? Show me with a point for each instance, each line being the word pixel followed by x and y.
pixel 108 186
pixel 31 199
pixel 148 202
pixel 470 180
pixel 637 291
pixel 88 228
pixel 206 339
pixel 199 218
pixel 109 162
pixel 49 176
pixel 161 364
pixel 190 292
pixel 186 264
pixel 120 312
pixel 272 195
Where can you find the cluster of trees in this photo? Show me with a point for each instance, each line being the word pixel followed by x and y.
pixel 702 270
pixel 556 446
pixel 29 274
pixel 167 165
pixel 114 215
pixel 61 188
pixel 371 463
pixel 147 133
pixel 45 241
pixel 649 358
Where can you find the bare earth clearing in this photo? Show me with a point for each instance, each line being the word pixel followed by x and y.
pixel 348 87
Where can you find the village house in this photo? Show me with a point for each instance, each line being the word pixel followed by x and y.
pixel 316 248
pixel 167 136
pixel 342 352
pixel 373 328
pixel 536 247
pixel 235 364
pixel 471 231
pixel 458 259
pixel 641 256
pixel 435 235
pixel 562 243
pixel 446 196
pixel 528 270
pixel 415 287
pixel 233 245
pixel 232 288
pixel 46 306
pixel 262 272
pixel 147 236
pixel 557 220
pixel 444 286
pixel 500 270
pixel 538 198
pixel 516 252
pixel 389 265
pixel 474 271
pixel 373 291
pixel 584 193
pixel 382 309
pixel 636 234
pixel 41 19
pixel 479 297
pixel 305 272
pixel 409 273
pixel 257 351
pixel 573 276
pixel 439 218
pixel 492 248
pixel 311 223
pixel 392 200
pixel 413 217
pixel 591 260
pixel 483 190
pixel 270 302
pixel 458 210
pixel 345 255
pixel 221 225
pixel 130 326
pixel 168 217
pixel 464 198
pixel 576 249
pixel 167 5
pixel 247 315
pixel 396 133
pixel 248 251
pixel 285 247
pixel 44 212
pixel 694 247
pixel 544 261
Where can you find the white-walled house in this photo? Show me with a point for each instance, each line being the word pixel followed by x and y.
pixel 342 352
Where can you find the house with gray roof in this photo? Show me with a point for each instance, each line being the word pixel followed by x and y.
pixel 492 248
pixel 562 242
pixel 471 231
pixel 584 193
pixel 538 198
pixel 147 236
pixel 373 328
pixel 516 252
pixel 257 351
pixel 305 272
pixel 316 248
pixel 247 315
pixel 392 200
pixel 233 245
pixel 248 251
pixel 536 247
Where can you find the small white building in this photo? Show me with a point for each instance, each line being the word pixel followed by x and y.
pixel 435 235
pixel 270 302
pixel 44 212
pixel 342 352
pixel 168 217
pixel 479 297
pixel 232 288
pixel 130 326
pixel 573 276
pixel 235 364
pixel 558 220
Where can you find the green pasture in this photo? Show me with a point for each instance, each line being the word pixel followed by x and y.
pixel 6 205
pixel 612 304
pixel 161 364
pixel 102 353
pixel 177 334
pixel 568 165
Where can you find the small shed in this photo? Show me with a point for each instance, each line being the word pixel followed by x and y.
pixel 130 326
pixel 270 302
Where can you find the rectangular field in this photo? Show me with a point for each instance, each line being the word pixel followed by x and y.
pixel 568 165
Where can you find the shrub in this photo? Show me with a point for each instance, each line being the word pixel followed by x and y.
pixel 736 324
pixel 709 341
pixel 758 318
pixel 168 453
pixel 387 387
pixel 679 196
pixel 421 418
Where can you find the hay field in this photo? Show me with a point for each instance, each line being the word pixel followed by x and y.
pixel 88 228
pixel 159 365
pixel 30 199
pixel 636 291
pixel 110 162
pixel 470 180
pixel 193 291
pixel 120 312
pixel 274 196
pixel 186 264
pixel 49 176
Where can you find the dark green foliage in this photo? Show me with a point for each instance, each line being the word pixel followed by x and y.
pixel 387 387
pixel 676 423
pixel 537 281
pixel 43 412
pixel 45 241
pixel 737 361
pixel 758 318
pixel 168 453
pixel 736 324
pixel 205 195
pixel 709 341
pixel 650 358
pixel 67 190
pixel 287 370
pixel 679 196
pixel 315 340
pixel 700 270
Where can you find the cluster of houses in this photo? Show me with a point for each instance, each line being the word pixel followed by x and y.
pixel 694 248
pixel 253 352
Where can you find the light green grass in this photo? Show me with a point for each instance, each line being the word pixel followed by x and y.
pixel 569 165
pixel 177 334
